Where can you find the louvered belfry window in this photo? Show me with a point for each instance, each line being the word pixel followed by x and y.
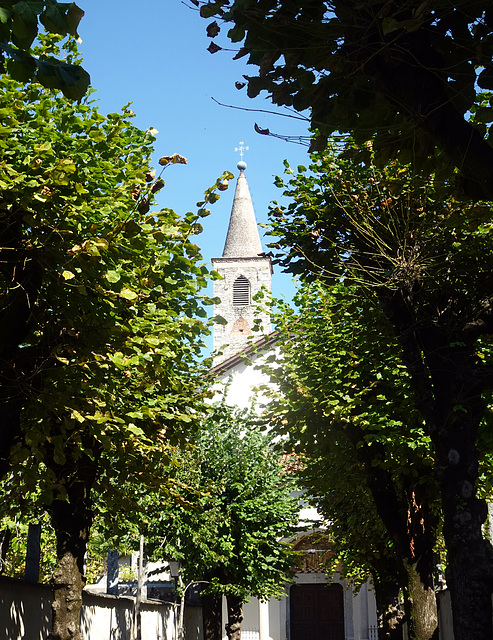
pixel 241 292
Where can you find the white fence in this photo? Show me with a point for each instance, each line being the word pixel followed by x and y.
pixel 25 614
pixel 250 634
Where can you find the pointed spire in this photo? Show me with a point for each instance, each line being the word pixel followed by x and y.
pixel 243 239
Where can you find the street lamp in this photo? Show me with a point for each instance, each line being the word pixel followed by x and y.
pixel 175 573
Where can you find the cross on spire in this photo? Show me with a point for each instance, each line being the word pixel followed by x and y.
pixel 242 149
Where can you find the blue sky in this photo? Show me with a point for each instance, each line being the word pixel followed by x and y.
pixel 154 54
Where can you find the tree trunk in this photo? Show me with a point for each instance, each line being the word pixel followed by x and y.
pixel 5 536
pixel 470 593
pixel 212 616
pixel 458 410
pixel 67 583
pixel 33 553
pixel 72 520
pixel 469 556
pixel 449 381
pixel 112 572
pixel 181 618
pixel 137 619
pixel 402 597
pixel 235 617
pixel 411 525
pixel 422 615
pixel 10 429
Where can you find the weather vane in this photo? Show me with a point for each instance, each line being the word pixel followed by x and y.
pixel 242 149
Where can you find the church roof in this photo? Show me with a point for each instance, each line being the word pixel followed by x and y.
pixel 243 239
pixel 249 350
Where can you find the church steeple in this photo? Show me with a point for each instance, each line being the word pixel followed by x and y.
pixel 243 239
pixel 245 270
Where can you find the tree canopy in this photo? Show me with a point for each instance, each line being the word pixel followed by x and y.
pixel 423 252
pixel 102 314
pixel 406 74
pixel 236 514
pixel 91 278
pixel 345 404
pixel 242 508
pixel 19 27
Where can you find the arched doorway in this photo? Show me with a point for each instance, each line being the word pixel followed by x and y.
pixel 316 612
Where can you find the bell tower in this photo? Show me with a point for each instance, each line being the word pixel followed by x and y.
pixel 245 269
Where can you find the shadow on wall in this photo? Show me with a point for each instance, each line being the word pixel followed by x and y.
pixel 193 623
pixel 25 614
pixel 123 624
pixel 110 613
pixel 25 610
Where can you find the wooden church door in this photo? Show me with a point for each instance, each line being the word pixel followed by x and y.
pixel 316 612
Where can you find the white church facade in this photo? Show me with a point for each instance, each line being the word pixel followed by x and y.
pixel 315 606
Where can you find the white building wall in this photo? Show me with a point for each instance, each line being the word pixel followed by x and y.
pixel 359 609
pixel 360 614
pixel 244 382
pixel 275 619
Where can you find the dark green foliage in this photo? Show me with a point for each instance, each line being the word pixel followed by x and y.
pixel 19 24
pixel 345 405
pixel 405 74
pixel 410 242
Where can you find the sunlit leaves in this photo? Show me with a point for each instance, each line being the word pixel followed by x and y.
pixel 236 506
pixel 114 324
pixel 128 294
pixel 112 276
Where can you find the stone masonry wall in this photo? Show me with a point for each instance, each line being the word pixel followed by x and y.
pixel 234 336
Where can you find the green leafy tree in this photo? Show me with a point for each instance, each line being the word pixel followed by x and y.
pixel 14 554
pixel 407 74
pixel 344 404
pixel 101 316
pixel 235 514
pixel 426 255
pixel 19 56
pixel 19 25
